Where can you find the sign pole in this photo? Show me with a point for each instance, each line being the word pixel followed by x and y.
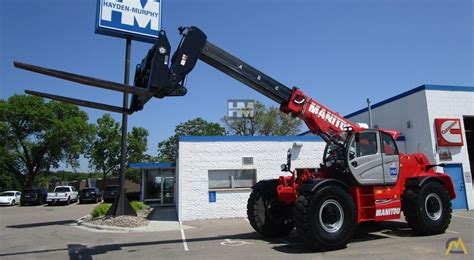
pixel 121 205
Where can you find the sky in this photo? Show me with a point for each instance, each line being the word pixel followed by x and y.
pixel 339 52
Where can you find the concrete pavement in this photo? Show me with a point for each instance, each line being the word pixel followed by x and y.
pixel 42 232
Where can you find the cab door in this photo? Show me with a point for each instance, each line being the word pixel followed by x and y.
pixel 364 157
pixel 390 158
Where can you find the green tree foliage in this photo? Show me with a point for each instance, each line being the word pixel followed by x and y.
pixel 104 150
pixel 269 121
pixel 197 127
pixel 137 146
pixel 37 135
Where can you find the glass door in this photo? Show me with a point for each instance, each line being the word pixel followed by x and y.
pixel 168 190
pixel 153 186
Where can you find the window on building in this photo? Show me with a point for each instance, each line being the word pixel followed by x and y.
pixel 232 179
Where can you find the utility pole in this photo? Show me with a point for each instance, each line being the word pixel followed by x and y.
pixel 369 108
pixel 121 205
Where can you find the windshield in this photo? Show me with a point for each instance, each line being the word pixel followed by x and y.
pixel 62 189
pixel 7 194
pixel 335 149
pixel 112 188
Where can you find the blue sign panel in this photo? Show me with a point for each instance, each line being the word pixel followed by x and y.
pixel 136 19
pixel 212 196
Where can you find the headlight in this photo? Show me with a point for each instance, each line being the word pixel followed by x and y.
pixel 9 199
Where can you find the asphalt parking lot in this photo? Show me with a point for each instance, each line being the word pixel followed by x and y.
pixel 42 232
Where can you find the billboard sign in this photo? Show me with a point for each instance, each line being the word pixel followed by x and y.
pixel 448 131
pixel 136 19
pixel 240 108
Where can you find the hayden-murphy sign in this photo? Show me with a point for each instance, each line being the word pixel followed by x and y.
pixel 138 19
pixel 448 131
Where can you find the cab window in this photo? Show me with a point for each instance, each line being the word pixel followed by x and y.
pixel 364 144
pixel 389 147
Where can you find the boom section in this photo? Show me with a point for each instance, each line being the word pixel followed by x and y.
pixel 245 73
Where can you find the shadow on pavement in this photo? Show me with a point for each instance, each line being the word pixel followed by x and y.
pixel 291 244
pixel 42 224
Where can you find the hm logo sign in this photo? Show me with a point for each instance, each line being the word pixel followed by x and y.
pixel 241 108
pixel 139 19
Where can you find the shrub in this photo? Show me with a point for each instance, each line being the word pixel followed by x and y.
pixel 101 209
pixel 137 205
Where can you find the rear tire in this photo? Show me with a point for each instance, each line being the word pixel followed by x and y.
pixel 427 209
pixel 325 218
pixel 267 215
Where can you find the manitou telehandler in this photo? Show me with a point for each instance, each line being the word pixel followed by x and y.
pixel 363 176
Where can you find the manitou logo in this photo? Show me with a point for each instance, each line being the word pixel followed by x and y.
pixel 327 116
pixel 134 17
pixel 387 212
pixel 448 131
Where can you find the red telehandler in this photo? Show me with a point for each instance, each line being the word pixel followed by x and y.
pixel 363 176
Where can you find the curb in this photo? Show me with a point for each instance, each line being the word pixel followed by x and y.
pixel 80 222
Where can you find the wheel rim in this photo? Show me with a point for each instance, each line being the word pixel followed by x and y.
pixel 331 216
pixel 433 206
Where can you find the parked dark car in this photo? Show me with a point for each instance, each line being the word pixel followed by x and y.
pixel 35 196
pixel 111 193
pixel 90 195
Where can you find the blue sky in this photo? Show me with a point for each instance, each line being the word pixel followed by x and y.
pixel 337 51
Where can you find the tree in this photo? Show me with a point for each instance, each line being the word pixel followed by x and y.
pixel 265 122
pixel 36 136
pixel 104 149
pixel 197 127
pixel 137 146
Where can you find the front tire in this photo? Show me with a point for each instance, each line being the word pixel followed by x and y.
pixel 269 216
pixel 325 218
pixel 13 203
pixel 427 209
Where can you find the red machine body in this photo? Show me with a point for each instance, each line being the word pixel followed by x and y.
pixel 374 202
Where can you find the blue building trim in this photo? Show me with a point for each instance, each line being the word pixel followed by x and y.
pixel 412 91
pixel 249 138
pixel 146 165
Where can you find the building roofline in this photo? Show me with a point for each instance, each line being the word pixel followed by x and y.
pixel 412 91
pixel 234 138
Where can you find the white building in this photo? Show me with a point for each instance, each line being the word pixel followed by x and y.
pixel 214 174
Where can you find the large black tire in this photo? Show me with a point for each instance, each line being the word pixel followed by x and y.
pixel 326 218
pixel 269 216
pixel 427 209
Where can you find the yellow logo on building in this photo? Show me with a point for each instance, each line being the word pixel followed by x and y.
pixel 453 245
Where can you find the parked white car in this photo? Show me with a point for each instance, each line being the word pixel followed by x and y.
pixel 62 194
pixel 10 197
